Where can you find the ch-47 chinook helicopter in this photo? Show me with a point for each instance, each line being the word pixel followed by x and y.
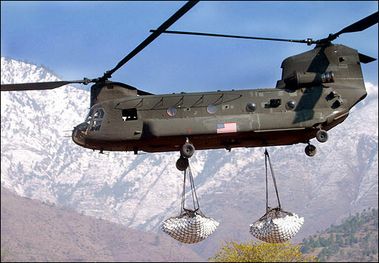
pixel 315 93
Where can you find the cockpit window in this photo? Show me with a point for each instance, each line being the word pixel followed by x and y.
pixel 89 116
pixel 95 118
pixel 99 114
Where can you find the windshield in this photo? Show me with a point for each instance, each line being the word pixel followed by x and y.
pixel 95 118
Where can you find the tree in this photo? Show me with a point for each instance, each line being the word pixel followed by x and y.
pixel 4 255
pixel 261 252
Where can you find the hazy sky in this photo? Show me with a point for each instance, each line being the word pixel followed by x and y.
pixel 84 39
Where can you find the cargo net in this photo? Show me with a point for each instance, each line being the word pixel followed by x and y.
pixel 191 226
pixel 277 225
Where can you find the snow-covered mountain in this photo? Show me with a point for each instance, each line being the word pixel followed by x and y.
pixel 39 161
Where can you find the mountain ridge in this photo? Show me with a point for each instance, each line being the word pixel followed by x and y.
pixel 35 231
pixel 354 240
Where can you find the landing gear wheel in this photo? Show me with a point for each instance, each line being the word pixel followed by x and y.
pixel 322 136
pixel 182 164
pixel 310 150
pixel 187 150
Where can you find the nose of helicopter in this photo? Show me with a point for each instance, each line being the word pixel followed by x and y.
pixel 78 133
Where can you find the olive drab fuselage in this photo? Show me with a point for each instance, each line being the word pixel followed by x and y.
pixel 316 91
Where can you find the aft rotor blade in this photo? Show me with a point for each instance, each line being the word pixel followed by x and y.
pixel 365 59
pixel 232 36
pixel 39 85
pixel 360 25
pixel 184 9
pixel 355 27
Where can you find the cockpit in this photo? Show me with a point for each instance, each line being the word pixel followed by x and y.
pixel 95 118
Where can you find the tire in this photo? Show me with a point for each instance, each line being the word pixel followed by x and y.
pixel 322 136
pixel 310 150
pixel 187 150
pixel 182 164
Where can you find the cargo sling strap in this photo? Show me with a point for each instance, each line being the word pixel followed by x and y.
pixel 196 207
pixel 267 158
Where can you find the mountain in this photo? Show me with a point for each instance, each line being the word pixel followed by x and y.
pixel 36 231
pixel 140 191
pixel 354 240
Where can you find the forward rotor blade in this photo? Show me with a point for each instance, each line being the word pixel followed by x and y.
pixel 40 85
pixel 360 25
pixel 234 36
pixel 184 9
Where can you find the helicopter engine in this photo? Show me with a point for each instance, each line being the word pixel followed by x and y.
pixel 307 79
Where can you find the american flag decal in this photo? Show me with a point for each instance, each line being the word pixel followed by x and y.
pixel 226 127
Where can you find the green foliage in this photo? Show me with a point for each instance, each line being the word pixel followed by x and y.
pixel 4 255
pixel 355 239
pixel 261 252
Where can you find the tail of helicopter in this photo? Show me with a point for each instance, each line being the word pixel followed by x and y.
pixel 330 79
pixel 336 67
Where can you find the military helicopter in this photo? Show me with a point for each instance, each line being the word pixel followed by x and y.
pixel 316 91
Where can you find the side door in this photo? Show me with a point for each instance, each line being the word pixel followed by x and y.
pixel 132 125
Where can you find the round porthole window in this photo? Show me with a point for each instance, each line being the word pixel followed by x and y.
pixel 171 111
pixel 290 105
pixel 211 109
pixel 250 107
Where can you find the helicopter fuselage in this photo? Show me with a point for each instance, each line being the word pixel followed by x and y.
pixel 317 90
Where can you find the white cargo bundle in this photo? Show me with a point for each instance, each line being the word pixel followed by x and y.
pixel 276 226
pixel 190 227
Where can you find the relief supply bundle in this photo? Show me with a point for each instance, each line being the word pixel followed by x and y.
pixel 191 226
pixel 276 225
